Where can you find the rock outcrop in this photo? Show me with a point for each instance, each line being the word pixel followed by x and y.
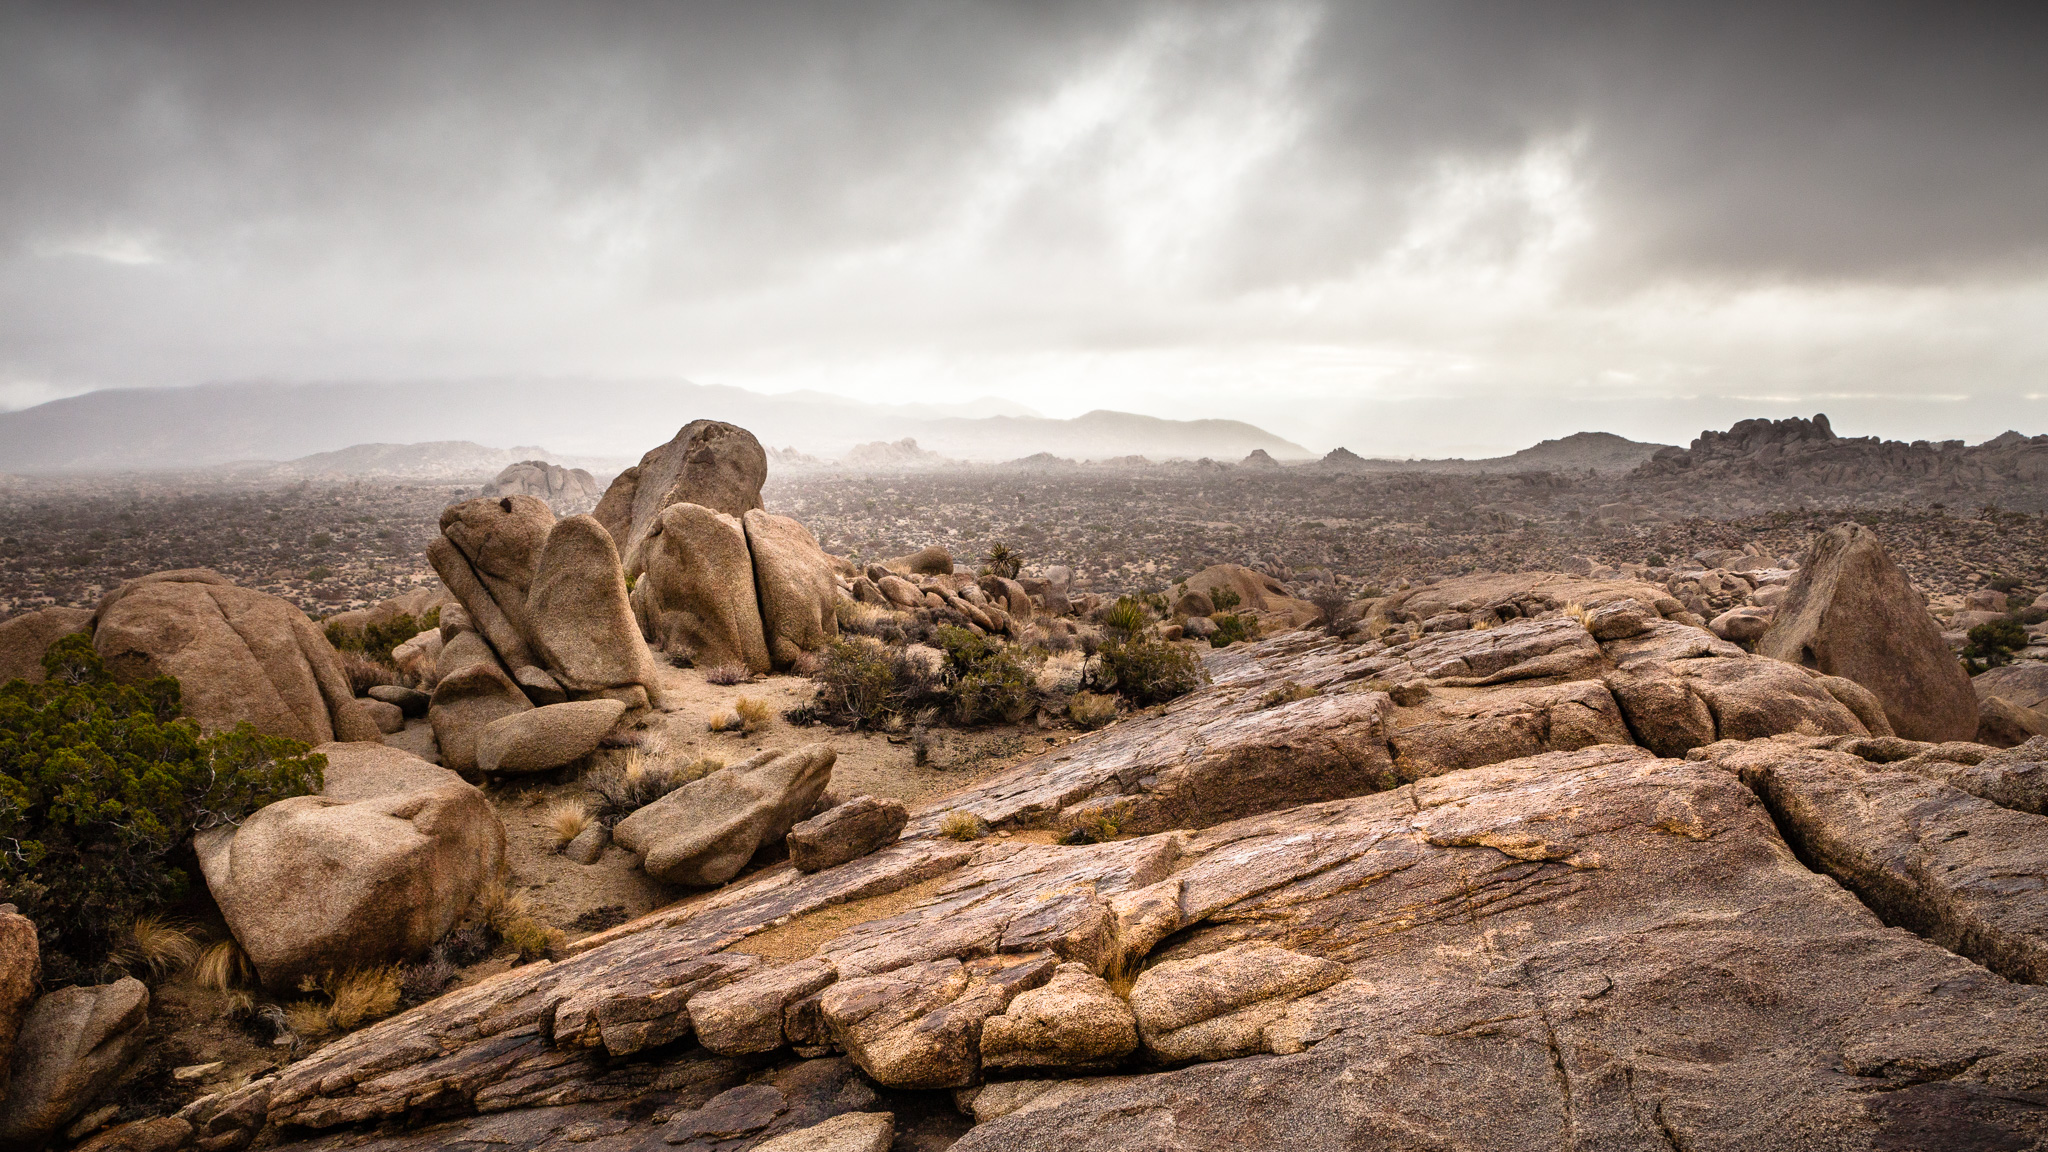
pixel 845 832
pixel 21 969
pixel 582 622
pixel 695 596
pixel 1852 613
pixel 24 639
pixel 566 490
pixel 238 654
pixel 541 739
pixel 709 463
pixel 704 832
pixel 793 581
pixel 72 1045
pixel 1256 592
pixel 381 864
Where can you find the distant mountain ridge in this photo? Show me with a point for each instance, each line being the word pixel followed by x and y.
pixel 603 422
pixel 1580 451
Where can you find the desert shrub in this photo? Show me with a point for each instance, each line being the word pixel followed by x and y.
pixel 100 783
pixel 1156 601
pixel 1992 645
pixel 960 824
pixel 345 1001
pixel 1332 603
pixel 568 820
pixel 377 640
pixel 725 674
pixel 754 713
pixel 365 673
pixel 508 917
pixel 1232 627
pixel 1287 692
pixel 1001 561
pixel 2003 583
pixel 990 681
pixel 1091 710
pixel 1098 827
pixel 1146 672
pixel 2032 615
pixel 1127 617
pixel 865 684
pixel 1225 598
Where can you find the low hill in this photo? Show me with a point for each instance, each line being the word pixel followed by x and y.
pixel 1578 452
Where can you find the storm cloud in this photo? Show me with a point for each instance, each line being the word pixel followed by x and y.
pixel 1412 228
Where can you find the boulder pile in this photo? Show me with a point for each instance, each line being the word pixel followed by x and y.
pixel 566 490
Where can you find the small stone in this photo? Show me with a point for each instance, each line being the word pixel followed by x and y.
pixel 589 845
pixel 410 701
pixel 861 825
pixel 191 1073
pixel 389 718
pixel 846 1132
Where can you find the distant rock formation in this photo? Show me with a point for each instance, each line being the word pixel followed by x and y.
pixel 1259 459
pixel 897 454
pixel 566 490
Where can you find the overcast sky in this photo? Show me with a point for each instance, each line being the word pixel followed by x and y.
pixel 1415 229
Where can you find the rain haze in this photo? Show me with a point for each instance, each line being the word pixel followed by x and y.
pixel 1423 229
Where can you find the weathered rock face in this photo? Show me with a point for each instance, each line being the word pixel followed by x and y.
pixel 793 580
pixel 2004 724
pixel 696 596
pixel 1256 592
pixel 583 625
pixel 704 832
pixel 2024 683
pixel 566 490
pixel 710 463
pixel 1521 955
pixel 546 738
pixel 845 832
pixel 487 555
pixel 24 639
pixel 72 1045
pixel 1075 1020
pixel 930 560
pixel 21 967
pixel 238 654
pixel 379 866
pixel 1852 613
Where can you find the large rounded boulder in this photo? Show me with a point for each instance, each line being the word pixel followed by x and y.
pixel 710 463
pixel 25 638
pixel 1852 613
pixel 74 1043
pixel 696 597
pixel 705 832
pixel 387 859
pixel 793 579
pixel 582 622
pixel 239 654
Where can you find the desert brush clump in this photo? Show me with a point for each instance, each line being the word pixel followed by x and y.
pixel 100 785
pixel 989 681
pixel 960 824
pixel 864 683
pixel 1091 710
pixel 1225 598
pixel 223 967
pixel 1099 826
pixel 567 820
pixel 155 947
pixel 1287 692
pixel 1232 627
pixel 754 713
pixel 727 674
pixel 342 1002
pixel 1992 645
pixel 1145 671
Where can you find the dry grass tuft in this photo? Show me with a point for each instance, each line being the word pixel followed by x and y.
pixel 1482 626
pixel 726 722
pixel 157 946
pixel 1091 710
pixel 568 819
pixel 960 824
pixel 754 713
pixel 365 672
pixel 1579 612
pixel 1287 692
pixel 353 998
pixel 513 920
pixel 727 674
pixel 698 769
pixel 223 967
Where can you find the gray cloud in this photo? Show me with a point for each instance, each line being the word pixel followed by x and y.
pixel 1081 202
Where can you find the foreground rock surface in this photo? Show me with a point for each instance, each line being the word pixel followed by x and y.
pixel 375 869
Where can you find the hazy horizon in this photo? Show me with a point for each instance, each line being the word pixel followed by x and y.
pixel 1413 230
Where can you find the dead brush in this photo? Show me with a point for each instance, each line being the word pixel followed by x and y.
pixel 509 915
pixel 351 999
pixel 727 674
pixel 754 713
pixel 1287 692
pixel 567 820
pixel 156 946
pixel 1581 613
pixel 223 967
pixel 960 824
pixel 365 672
pixel 1091 710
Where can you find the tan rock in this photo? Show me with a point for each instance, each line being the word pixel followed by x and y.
pixel 709 463
pixel 1852 613
pixel 846 1132
pixel 24 639
pixel 2004 724
pixel 1076 1018
pixel 388 718
pixel 1217 1006
pixel 380 865
pixel 696 596
pixel 930 560
pixel 161 1134
pixel 704 832
pixel 238 654
pixel 846 832
pixel 546 738
pixel 745 1016
pixel 581 620
pixel 900 592
pixel 73 1044
pixel 920 1026
pixel 793 580
pixel 465 702
pixel 21 968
